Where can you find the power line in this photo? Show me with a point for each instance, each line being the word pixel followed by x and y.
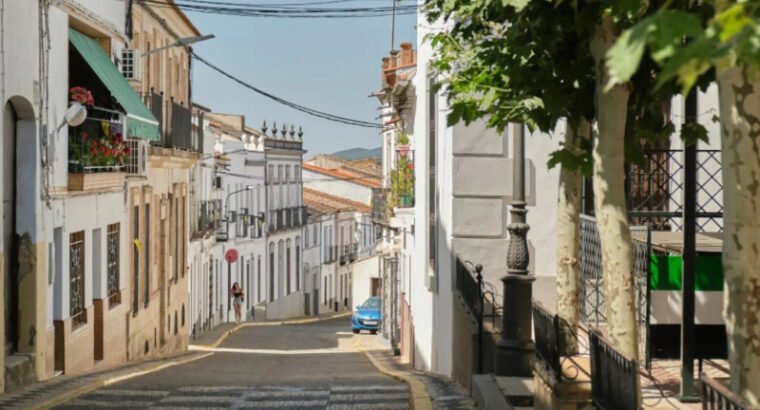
pixel 289 10
pixel 298 107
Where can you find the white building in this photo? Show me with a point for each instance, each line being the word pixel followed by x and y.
pixel 228 201
pixel 286 216
pixel 462 188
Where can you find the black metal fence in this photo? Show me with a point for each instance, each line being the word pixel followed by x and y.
pixel 716 396
pixel 614 377
pixel 654 190
pixel 593 306
pixel 469 284
pixel 547 338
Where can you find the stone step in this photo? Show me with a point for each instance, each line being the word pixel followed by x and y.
pixel 19 371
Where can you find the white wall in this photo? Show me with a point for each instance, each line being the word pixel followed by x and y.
pixel 334 186
pixel 362 272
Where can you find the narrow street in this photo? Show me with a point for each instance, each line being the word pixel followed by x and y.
pixel 309 366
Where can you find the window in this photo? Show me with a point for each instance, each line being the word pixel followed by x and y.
pixel 130 64
pixel 287 264
pixel 183 238
pixel 76 272
pixel 279 173
pixel 281 268
pixel 298 263
pixel 316 236
pixel 432 191
pixel 270 173
pixel 146 296
pixel 271 272
pixel 306 239
pixel 112 264
pixel 136 261
pixel 297 176
pixel 258 277
pixel 287 173
pixel 175 207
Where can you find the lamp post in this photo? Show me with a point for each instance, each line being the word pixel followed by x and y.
pixel 516 349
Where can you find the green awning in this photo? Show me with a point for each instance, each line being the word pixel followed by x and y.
pixel 140 121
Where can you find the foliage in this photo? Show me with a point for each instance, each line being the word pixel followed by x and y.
pixel 95 145
pixel 402 181
pixel 718 37
pixel 402 139
pixel 529 61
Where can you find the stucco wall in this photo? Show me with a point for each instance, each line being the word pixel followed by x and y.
pixel 362 272
pixel 337 187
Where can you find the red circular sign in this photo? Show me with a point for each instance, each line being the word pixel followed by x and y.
pixel 231 256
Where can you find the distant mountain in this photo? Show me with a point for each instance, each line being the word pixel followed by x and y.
pixel 360 153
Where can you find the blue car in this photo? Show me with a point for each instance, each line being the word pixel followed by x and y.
pixel 367 316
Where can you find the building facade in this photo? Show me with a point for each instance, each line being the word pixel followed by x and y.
pixel 286 216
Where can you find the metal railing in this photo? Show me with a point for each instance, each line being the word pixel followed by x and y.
pixel 548 340
pixel 380 204
pixel 592 298
pixel 614 377
pixel 175 123
pixel 469 284
pixel 98 144
pixel 716 396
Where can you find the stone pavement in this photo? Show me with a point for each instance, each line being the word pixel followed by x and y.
pixel 49 392
pixel 444 393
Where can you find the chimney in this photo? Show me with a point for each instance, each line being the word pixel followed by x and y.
pixel 394 59
pixel 406 54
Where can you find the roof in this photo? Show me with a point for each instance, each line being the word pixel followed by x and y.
pixel 345 175
pixel 324 203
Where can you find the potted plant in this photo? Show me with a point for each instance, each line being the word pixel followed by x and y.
pixel 402 141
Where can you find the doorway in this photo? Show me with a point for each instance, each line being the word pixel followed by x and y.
pixel 10 239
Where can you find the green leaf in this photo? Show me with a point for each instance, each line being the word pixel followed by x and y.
pixel 692 132
pixel 624 57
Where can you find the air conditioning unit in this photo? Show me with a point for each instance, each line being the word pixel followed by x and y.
pixel 137 160
pixel 130 64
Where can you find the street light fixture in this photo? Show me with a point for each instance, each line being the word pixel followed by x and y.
pixel 181 42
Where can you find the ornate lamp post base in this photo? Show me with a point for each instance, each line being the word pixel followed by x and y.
pixel 516 351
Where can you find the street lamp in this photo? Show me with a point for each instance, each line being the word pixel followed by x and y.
pixel 181 42
pixel 516 349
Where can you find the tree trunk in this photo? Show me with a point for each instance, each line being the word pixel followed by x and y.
pixel 740 146
pixel 568 242
pixel 609 200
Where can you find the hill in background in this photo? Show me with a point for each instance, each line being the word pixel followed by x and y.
pixel 360 153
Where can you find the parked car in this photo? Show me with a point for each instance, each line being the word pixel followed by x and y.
pixel 367 316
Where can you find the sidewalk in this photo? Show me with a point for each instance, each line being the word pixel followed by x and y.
pixel 428 391
pixel 60 389
pixel 55 391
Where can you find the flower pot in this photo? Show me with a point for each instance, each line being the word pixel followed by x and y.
pixel 403 150
pixel 405 200
pixel 95 181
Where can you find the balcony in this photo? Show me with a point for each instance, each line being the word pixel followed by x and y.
pixel 402 180
pixel 208 219
pixel 97 151
pixel 380 205
pixel 175 122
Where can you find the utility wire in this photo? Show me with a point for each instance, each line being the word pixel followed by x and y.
pixel 292 10
pixel 298 107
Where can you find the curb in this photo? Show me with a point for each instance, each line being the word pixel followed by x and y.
pixel 107 381
pixel 420 398
pixel 226 334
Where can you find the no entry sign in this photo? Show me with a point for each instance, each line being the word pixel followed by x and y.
pixel 231 256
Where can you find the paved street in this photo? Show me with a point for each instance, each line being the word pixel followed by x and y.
pixel 309 366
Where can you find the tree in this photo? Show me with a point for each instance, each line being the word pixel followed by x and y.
pixel 725 46
pixel 539 62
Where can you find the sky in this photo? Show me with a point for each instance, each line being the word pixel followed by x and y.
pixel 331 65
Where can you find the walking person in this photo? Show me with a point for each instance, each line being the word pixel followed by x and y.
pixel 237 300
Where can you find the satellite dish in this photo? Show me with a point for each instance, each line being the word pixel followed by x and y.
pixel 75 114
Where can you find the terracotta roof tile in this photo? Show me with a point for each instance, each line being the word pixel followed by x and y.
pixel 325 203
pixel 345 175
